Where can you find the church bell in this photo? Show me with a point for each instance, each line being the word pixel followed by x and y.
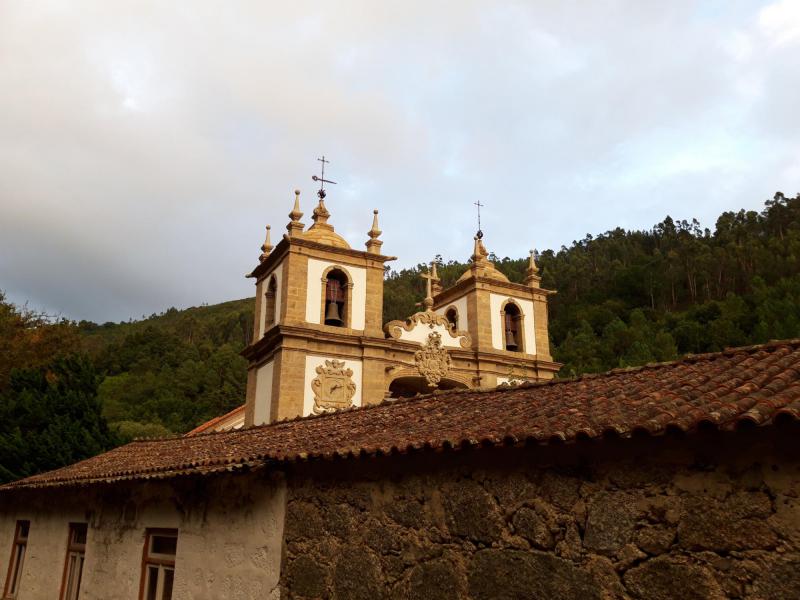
pixel 332 315
pixel 511 341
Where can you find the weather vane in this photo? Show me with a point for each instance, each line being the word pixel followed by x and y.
pixel 480 233
pixel 321 179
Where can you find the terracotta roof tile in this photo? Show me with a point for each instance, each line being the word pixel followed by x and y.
pixel 756 383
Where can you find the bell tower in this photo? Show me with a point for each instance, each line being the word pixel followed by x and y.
pixel 318 316
pixel 506 321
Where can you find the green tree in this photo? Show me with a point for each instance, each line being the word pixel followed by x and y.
pixel 50 417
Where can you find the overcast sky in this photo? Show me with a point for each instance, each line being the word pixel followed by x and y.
pixel 145 145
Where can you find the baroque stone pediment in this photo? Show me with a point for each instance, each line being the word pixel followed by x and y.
pixel 430 319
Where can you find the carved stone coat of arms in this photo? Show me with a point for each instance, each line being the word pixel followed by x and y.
pixel 433 361
pixel 333 387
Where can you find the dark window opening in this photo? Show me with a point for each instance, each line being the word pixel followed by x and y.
pixel 335 298
pixel 513 328
pixel 452 317
pixel 269 304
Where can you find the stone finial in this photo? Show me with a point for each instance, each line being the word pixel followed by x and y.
pixel 295 226
pixel 266 247
pixel 436 282
pixel 479 253
pixel 532 273
pixel 374 244
pixel 321 214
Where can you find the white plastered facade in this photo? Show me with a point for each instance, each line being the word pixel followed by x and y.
pixel 263 402
pixel 312 362
pixel 358 277
pixel 223 551
pixel 496 302
pixel 461 308
pixel 421 331
pixel 277 272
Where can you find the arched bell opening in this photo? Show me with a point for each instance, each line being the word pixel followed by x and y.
pixel 336 297
pixel 408 387
pixel 269 304
pixel 512 323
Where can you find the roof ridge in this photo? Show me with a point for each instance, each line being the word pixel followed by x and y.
pixel 689 358
pixel 719 394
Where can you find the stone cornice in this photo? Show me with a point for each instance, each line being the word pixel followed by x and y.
pixel 277 337
pixel 288 242
pixel 461 288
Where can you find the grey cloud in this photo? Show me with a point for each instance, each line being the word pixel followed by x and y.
pixel 144 146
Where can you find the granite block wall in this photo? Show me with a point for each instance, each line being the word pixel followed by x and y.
pixel 713 517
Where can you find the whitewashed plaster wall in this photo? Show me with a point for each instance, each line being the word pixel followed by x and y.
pixel 495 303
pixel 463 315
pixel 229 537
pixel 262 411
pixel 312 362
pixel 358 276
pixel 277 272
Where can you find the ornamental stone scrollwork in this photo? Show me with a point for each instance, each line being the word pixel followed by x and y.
pixel 333 387
pixel 395 328
pixel 433 361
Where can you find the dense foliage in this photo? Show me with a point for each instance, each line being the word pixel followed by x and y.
pixel 50 416
pixel 624 298
pixel 627 298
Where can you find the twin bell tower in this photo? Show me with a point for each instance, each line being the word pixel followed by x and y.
pixel 320 344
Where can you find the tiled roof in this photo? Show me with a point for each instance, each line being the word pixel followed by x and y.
pixel 757 384
pixel 222 422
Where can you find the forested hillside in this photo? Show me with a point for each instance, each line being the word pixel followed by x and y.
pixel 624 298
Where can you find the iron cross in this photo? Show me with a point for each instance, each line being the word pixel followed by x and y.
pixel 321 179
pixel 479 205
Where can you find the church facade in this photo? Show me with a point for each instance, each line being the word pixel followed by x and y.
pixel 320 343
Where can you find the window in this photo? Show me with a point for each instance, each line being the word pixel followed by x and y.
pixel 158 564
pixel 512 330
pixel 17 559
pixel 73 567
pixel 336 298
pixel 452 317
pixel 269 304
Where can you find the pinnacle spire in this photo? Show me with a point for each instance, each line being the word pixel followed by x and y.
pixel 532 273
pixel 295 226
pixel 266 247
pixel 374 244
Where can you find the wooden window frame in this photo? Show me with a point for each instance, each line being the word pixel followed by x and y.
pixel 159 560
pixel 73 549
pixel 16 563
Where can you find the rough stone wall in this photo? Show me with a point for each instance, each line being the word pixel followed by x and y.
pixel 713 517
pixel 229 536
